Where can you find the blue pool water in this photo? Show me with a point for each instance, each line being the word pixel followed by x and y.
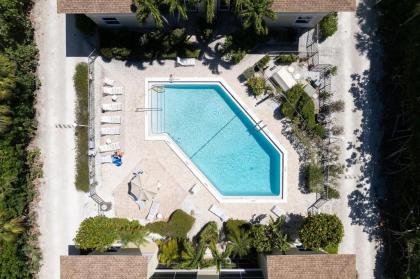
pixel 221 140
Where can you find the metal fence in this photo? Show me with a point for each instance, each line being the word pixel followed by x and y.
pixel 103 206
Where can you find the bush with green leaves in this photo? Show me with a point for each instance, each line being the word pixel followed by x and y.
pixel 321 230
pixel 178 225
pixel 169 251
pixel 286 58
pixel 263 62
pixel 266 238
pixel 100 233
pixel 209 233
pixel 257 85
pixel 329 25
pixel 299 107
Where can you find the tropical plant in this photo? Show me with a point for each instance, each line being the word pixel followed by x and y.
pixel 209 233
pixel 169 252
pixel 266 238
pixel 138 237
pixel 257 85
pixel 192 255
pixel 240 243
pixel 220 259
pixel 210 10
pixel 178 7
pixel 328 25
pixel 145 8
pixel 321 230
pixel 10 228
pixel 254 13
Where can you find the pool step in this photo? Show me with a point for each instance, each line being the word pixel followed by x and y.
pixel 157 107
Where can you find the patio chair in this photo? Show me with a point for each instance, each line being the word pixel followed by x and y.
pixel 106 159
pixel 112 107
pixel 110 131
pixel 119 90
pixel 153 211
pixel 218 212
pixel 277 211
pixel 109 82
pixel 185 61
pixel 114 119
pixel 109 147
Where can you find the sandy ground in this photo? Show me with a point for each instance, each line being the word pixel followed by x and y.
pixel 61 207
pixel 353 84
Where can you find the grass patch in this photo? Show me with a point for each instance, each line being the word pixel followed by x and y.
pixel 81 86
pixel 178 226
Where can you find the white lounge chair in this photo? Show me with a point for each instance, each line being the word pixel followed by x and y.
pixel 218 212
pixel 118 90
pixel 112 107
pixel 110 131
pixel 185 61
pixel 109 147
pixel 109 82
pixel 276 210
pixel 106 159
pixel 153 211
pixel 114 119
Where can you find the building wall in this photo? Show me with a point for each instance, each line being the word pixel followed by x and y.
pixel 307 20
pixel 129 20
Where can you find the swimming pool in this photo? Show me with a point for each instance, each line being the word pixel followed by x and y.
pixel 219 138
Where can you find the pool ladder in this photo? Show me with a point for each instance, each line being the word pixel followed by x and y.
pixel 157 88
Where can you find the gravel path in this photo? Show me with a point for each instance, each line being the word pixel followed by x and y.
pixel 61 207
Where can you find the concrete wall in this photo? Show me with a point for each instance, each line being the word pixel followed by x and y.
pixel 289 19
pixel 129 20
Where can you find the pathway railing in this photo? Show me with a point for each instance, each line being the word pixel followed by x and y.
pixel 103 206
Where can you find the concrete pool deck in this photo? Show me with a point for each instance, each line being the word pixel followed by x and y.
pixel 160 163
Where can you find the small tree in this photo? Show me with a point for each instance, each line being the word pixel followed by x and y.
pixel 220 259
pixel 255 13
pixel 257 85
pixel 266 238
pixel 96 233
pixel 169 252
pixel 321 230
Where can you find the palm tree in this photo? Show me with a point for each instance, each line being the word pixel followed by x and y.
pixel 220 259
pixel 146 8
pixel 9 228
pixel 138 238
pixel 279 238
pixel 210 10
pixel 237 5
pixel 5 119
pixel 192 257
pixel 177 6
pixel 240 243
pixel 254 13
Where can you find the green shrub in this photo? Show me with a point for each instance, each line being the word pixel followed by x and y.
pixel 106 52
pixel 256 85
pixel 81 86
pixel 236 56
pixel 328 25
pixel 169 251
pixel 262 63
pixel 266 238
pixel 337 106
pixel 85 24
pixel 331 249
pixel 286 58
pixel 100 232
pixel 178 225
pixel 121 53
pixel 209 233
pixel 332 193
pixel 321 230
pixel 234 226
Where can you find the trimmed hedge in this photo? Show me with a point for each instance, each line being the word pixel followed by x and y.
pixel 178 225
pixel 286 58
pixel 100 232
